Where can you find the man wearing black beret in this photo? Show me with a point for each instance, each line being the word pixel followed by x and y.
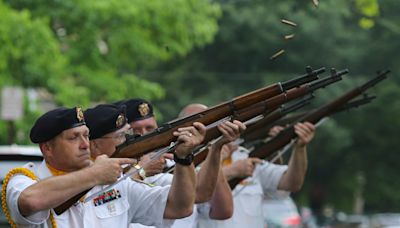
pixel 209 187
pixel 148 206
pixel 140 116
pixel 31 192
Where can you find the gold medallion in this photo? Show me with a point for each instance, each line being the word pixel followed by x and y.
pixel 79 114
pixel 120 121
pixel 144 109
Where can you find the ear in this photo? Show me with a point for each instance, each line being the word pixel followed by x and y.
pixel 46 148
pixel 94 148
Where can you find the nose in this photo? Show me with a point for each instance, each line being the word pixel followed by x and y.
pixel 140 131
pixel 84 142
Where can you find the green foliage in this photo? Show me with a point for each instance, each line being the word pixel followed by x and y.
pixel 108 42
pixel 29 57
pixel 127 35
pixel 28 47
pixel 369 9
pixel 87 52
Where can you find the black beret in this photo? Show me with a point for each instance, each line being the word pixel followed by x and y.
pixel 136 109
pixel 52 123
pixel 105 118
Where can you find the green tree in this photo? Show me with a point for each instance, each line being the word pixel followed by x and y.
pixel 28 46
pixel 94 51
pixel 109 42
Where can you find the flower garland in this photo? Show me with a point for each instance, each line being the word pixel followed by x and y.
pixel 12 172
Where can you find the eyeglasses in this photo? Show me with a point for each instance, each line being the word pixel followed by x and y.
pixel 120 136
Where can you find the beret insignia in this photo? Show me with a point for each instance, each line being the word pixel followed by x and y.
pixel 144 109
pixel 79 114
pixel 120 121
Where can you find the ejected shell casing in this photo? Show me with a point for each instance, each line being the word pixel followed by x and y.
pixel 276 55
pixel 290 36
pixel 288 22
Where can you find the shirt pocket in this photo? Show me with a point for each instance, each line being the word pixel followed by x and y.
pixel 111 209
pixel 250 200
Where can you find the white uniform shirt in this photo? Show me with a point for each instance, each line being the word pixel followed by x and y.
pixel 165 179
pixel 248 195
pixel 126 202
pixel 160 179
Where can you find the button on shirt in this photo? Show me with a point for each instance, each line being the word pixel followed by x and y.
pixel 248 195
pixel 127 202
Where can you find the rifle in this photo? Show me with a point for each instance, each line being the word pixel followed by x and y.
pixel 265 107
pixel 261 128
pixel 136 147
pixel 353 104
pixel 263 133
pixel 201 153
pixel 285 136
pixel 162 136
pixel 257 130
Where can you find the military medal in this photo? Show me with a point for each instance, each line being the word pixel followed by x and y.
pixel 106 197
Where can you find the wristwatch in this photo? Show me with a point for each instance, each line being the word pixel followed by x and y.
pixel 184 161
pixel 142 173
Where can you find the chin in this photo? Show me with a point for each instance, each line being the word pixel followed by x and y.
pixel 84 164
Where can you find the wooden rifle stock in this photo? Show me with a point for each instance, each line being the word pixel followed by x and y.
pixel 285 136
pixel 260 130
pixel 162 136
pixel 266 107
pixel 353 104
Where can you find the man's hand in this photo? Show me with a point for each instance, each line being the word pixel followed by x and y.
pixel 230 131
pixel 108 170
pixel 154 166
pixel 305 133
pixel 189 138
pixel 274 131
pixel 245 167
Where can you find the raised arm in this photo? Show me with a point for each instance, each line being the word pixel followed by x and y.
pixel 182 194
pixel 209 172
pixel 221 204
pixel 53 191
pixel 292 180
